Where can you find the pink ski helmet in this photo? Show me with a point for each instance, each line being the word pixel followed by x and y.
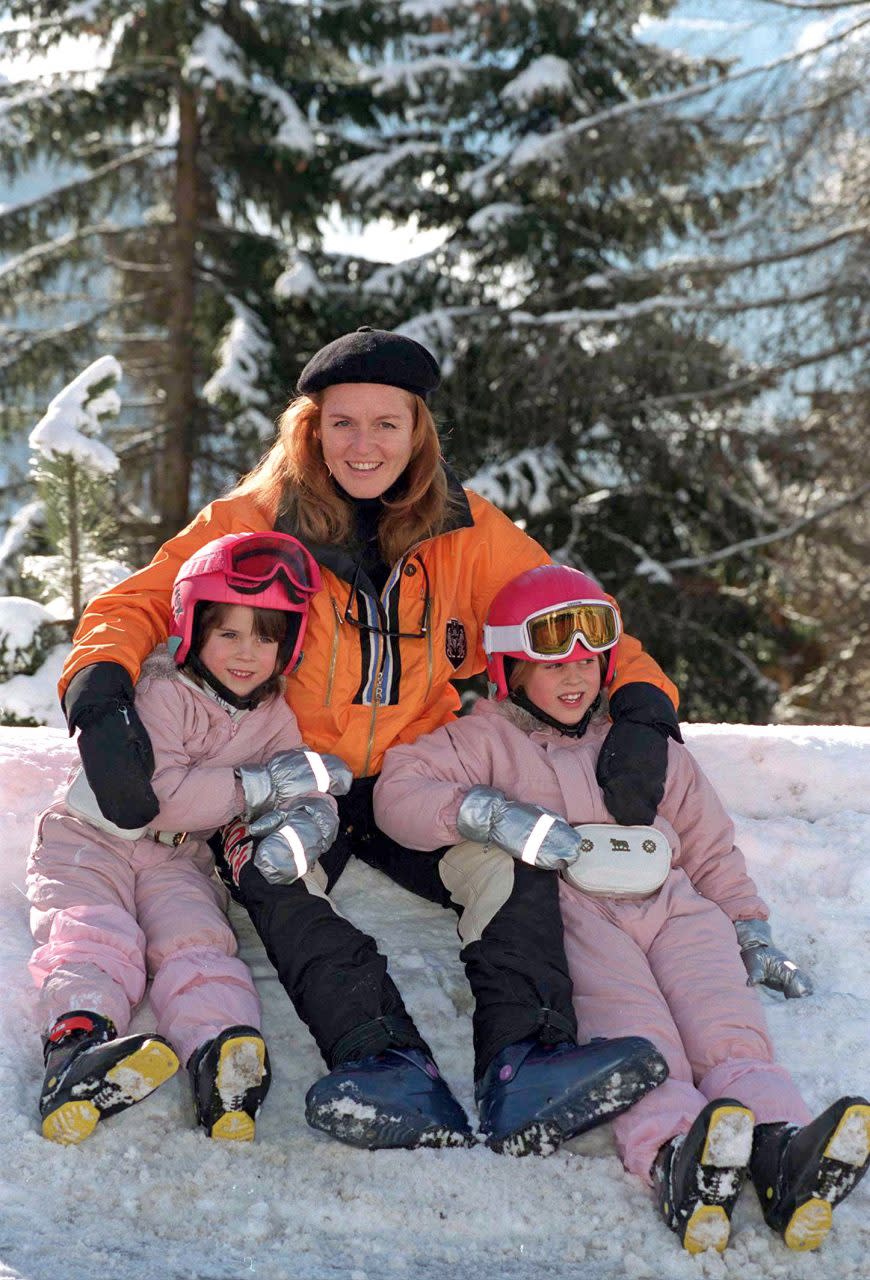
pixel 550 614
pixel 262 570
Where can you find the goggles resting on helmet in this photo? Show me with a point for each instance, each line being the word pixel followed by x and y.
pixel 552 633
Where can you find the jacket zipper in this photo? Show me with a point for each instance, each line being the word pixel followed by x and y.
pixel 330 679
pixel 376 702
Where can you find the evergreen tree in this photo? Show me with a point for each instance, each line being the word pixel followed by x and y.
pixel 197 142
pixel 572 165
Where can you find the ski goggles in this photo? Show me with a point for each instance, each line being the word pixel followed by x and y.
pixel 552 633
pixel 252 565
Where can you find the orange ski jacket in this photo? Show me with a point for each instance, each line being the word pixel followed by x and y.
pixel 356 692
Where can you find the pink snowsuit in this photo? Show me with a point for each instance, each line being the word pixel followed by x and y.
pixel 666 966
pixel 107 912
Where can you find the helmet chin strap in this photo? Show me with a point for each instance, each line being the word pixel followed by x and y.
pixel 521 698
pixel 246 703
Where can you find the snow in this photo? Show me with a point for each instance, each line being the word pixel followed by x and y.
pixel 547 76
pixel 149 1195
pixel 243 352
pixel 73 418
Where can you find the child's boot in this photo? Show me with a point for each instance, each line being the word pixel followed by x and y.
pixel 801 1174
pixel 91 1074
pixel 699 1174
pixel 231 1077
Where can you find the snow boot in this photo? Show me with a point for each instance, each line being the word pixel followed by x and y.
pixel 534 1096
pixel 395 1099
pixel 90 1074
pixel 699 1174
pixel 230 1076
pixel 800 1175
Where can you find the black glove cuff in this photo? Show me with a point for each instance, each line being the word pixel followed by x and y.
pixel 643 703
pixel 94 690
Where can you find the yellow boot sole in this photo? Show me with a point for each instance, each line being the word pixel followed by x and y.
pixel 848 1144
pixel 134 1078
pixel 708 1228
pixel 241 1066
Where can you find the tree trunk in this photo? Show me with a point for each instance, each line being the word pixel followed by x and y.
pixel 178 447
pixel 74 541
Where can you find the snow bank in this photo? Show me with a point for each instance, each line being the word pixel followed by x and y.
pixel 149 1196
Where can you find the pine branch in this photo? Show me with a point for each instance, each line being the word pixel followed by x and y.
pixel 532 151
pixel 765 539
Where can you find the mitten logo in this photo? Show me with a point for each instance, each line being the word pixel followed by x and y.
pixel 649 846
pixel 620 846
pixel 455 643
pixel 586 845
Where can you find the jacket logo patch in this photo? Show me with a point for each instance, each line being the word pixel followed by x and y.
pixel 455 643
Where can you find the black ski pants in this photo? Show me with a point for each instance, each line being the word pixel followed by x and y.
pixel 338 980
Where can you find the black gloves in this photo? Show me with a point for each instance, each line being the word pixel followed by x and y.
pixel 634 757
pixel 113 743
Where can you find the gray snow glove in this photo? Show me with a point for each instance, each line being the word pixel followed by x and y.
pixel 766 965
pixel 526 831
pixel 289 775
pixel 293 840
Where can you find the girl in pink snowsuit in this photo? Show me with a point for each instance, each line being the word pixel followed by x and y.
pixel 661 923
pixel 111 907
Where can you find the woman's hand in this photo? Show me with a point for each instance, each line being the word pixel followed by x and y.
pixel 633 761
pixel 113 743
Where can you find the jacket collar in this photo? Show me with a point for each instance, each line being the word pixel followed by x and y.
pixel 343 561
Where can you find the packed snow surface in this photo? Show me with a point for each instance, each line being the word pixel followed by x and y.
pixel 149 1197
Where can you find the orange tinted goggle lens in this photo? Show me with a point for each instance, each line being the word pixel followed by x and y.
pixel 553 633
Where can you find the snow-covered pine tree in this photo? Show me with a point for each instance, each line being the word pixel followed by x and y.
pixel 570 162
pixel 190 148
pixel 75 474
pixel 63 547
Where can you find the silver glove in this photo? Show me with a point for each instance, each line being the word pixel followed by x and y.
pixel 526 831
pixel 297 773
pixel 296 839
pixel 766 965
pixel 290 774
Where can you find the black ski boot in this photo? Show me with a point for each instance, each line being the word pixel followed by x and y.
pixel 231 1077
pixel 801 1174
pixel 91 1074
pixel 699 1174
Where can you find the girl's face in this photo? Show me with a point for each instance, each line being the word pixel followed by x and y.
pixel 564 690
pixel 366 433
pixel 234 653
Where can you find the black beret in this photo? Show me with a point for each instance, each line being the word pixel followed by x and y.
pixel 372 355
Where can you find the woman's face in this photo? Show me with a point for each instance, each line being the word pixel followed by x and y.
pixel 235 654
pixel 564 690
pixel 366 432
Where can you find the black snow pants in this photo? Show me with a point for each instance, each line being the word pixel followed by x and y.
pixel 337 979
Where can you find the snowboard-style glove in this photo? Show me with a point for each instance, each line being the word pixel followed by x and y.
pixel 283 844
pixel 633 761
pixel 526 831
pixel 288 775
pixel 113 743
pixel 766 964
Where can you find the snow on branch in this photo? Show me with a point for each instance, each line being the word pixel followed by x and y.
pixel 370 172
pixel 215 57
pixel 243 353
pixel 524 481
pixel 544 77
pixel 537 148
pixel 74 417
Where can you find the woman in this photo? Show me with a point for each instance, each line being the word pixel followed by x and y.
pixel 409 562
